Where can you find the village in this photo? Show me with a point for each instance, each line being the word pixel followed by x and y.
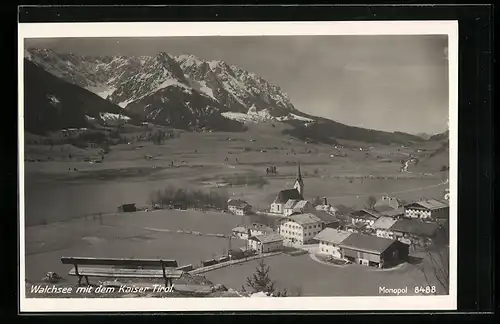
pixel 382 235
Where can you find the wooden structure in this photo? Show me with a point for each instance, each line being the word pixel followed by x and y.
pixel 373 251
pixel 123 268
pixel 127 208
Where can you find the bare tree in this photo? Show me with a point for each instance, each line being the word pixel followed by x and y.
pixel 370 202
pixel 437 270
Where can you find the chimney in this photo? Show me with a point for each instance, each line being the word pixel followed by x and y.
pixel 325 201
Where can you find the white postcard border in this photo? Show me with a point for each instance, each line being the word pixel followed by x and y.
pixel 67 30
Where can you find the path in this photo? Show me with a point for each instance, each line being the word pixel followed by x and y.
pixel 315 258
pixel 232 262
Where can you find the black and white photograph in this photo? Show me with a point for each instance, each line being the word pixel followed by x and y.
pixel 179 168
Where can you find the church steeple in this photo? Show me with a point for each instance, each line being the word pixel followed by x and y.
pixel 299 183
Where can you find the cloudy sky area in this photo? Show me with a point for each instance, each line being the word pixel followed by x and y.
pixel 379 82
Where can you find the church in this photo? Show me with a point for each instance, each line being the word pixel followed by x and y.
pixel 297 193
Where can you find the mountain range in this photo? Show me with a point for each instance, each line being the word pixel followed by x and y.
pixel 179 91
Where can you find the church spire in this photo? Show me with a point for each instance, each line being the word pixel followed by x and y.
pixel 299 183
pixel 299 175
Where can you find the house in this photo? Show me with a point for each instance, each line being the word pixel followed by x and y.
pixel 427 209
pixel 282 198
pixel 329 220
pixel 329 241
pixel 288 207
pixel 299 228
pixel 382 227
pixel 297 193
pixel 393 213
pixel 91 145
pixel 297 206
pixel 265 243
pixel 415 231
pixel 387 203
pixel 127 208
pixel 374 251
pixel 245 231
pixel 181 206
pixel 359 227
pixel 365 216
pixel 326 207
pixel 239 207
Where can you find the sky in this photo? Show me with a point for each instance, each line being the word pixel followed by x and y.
pixel 384 82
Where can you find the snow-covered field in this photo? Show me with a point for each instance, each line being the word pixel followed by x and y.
pixel 262 116
pixel 110 116
pixel 102 91
pixel 296 117
pixel 250 117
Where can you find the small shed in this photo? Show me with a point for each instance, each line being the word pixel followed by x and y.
pixel 127 208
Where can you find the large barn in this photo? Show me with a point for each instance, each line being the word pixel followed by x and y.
pixel 373 251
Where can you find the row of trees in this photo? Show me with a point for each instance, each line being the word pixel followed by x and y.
pixel 190 198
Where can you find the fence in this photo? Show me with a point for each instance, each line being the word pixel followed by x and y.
pixel 228 263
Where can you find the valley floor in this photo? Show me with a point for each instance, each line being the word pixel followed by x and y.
pixel 60 202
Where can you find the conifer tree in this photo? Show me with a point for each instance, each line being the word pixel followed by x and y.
pixel 260 280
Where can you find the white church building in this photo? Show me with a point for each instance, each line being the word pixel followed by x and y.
pixel 297 193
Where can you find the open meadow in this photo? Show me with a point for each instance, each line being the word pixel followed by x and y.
pixel 62 194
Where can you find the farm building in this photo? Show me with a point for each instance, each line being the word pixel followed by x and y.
pixel 245 231
pixel 300 228
pixel 326 207
pixel 414 231
pixel 373 251
pixel 427 209
pixel 282 198
pixel 297 206
pixel 359 227
pixel 383 226
pixel 127 208
pixel 387 203
pixel 365 216
pixel 288 207
pixel 394 213
pixel 329 241
pixel 239 207
pixel 329 221
pixel 265 243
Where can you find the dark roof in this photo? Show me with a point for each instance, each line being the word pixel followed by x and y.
pixel 287 194
pixel 365 213
pixel 237 203
pixel 415 227
pixel 383 208
pixel 325 217
pixel 267 238
pixel 393 212
pixel 430 204
pixel 366 243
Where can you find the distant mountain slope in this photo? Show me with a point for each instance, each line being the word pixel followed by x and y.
pixel 51 103
pixel 328 131
pixel 441 136
pixel 186 92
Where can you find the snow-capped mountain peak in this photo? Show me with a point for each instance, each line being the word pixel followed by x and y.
pixel 155 83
